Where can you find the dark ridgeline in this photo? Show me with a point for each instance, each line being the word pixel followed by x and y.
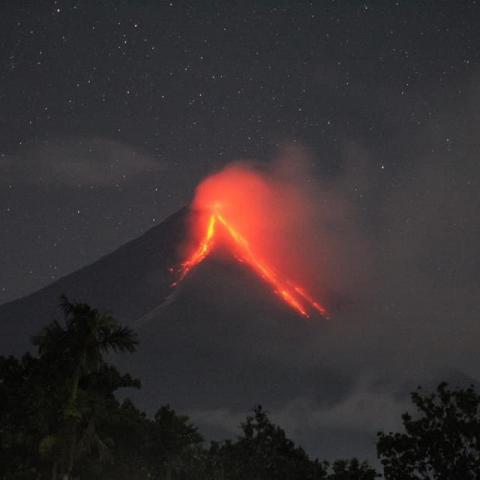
pixel 129 282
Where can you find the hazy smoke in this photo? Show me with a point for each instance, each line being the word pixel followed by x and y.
pixel 303 228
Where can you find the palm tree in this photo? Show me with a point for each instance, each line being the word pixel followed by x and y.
pixel 80 346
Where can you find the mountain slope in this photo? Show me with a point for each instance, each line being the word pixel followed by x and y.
pixel 129 282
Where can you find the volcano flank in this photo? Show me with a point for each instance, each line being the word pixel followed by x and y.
pixel 221 337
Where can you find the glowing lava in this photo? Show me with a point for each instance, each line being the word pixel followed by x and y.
pixel 293 295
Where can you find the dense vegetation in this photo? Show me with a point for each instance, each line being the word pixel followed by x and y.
pixel 60 420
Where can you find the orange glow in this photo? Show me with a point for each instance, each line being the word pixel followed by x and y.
pixel 202 251
pixel 293 295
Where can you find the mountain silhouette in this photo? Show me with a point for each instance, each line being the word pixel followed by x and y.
pixel 128 282
pixel 221 338
pixel 222 332
pixel 213 347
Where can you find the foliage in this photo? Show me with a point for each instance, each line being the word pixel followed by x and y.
pixel 441 442
pixel 23 417
pixel 52 404
pixel 174 443
pixel 60 419
pixel 351 470
pixel 263 451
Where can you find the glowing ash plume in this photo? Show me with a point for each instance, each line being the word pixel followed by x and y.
pixel 224 218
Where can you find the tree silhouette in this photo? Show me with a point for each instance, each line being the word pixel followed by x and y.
pixel 441 442
pixel 351 470
pixel 22 417
pixel 80 345
pixel 263 451
pixel 60 418
pixel 173 443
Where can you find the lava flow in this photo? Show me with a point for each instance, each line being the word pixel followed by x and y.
pixel 293 295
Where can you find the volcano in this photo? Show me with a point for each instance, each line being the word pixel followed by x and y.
pixel 217 343
pixel 292 294
pixel 192 335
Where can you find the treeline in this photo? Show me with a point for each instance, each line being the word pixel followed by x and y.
pixel 60 420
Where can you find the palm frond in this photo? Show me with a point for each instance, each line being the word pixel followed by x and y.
pixel 50 338
pixel 119 339
pixel 65 305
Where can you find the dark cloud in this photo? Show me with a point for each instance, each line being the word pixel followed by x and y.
pixel 79 162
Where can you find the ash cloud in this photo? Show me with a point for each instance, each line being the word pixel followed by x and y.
pixel 304 229
pixel 403 246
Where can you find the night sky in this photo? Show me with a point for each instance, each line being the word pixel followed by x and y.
pixel 111 112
